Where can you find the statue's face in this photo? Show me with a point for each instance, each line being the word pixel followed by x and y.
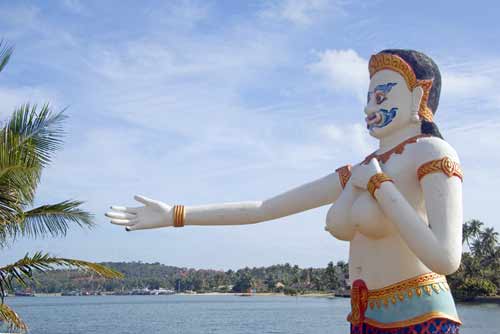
pixel 389 104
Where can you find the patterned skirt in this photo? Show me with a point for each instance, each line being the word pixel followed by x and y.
pixel 432 326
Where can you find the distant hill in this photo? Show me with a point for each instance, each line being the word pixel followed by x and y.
pixel 139 275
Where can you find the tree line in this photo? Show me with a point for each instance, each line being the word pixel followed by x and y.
pixel 138 275
pixel 479 272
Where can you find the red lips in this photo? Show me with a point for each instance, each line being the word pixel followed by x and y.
pixel 373 118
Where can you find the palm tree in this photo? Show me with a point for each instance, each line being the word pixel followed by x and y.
pixel 489 243
pixel 28 141
pixel 470 230
pixel 489 239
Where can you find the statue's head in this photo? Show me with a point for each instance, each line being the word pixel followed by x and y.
pixel 404 90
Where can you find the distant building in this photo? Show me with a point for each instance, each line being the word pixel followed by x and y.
pixel 279 286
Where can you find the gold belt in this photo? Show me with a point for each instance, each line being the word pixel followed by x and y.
pixel 416 286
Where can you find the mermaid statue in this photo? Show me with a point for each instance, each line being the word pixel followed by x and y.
pixel 400 208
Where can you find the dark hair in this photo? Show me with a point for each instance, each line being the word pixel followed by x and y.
pixel 424 68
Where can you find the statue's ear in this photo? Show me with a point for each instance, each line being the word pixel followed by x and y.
pixel 417 95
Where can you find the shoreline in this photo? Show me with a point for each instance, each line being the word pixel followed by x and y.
pixel 480 300
pixel 258 294
pixel 475 300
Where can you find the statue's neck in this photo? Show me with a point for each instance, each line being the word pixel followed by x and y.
pixel 392 140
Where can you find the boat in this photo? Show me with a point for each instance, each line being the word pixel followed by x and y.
pixel 25 293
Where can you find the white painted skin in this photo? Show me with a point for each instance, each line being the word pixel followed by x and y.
pixel 410 228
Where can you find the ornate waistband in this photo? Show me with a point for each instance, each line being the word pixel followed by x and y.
pixel 374 306
pixel 416 286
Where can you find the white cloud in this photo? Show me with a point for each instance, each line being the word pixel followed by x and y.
pixel 13 97
pixel 74 6
pixel 349 138
pixel 471 85
pixel 344 70
pixel 466 86
pixel 182 14
pixel 300 12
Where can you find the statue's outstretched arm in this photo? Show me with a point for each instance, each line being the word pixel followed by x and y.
pixel 156 214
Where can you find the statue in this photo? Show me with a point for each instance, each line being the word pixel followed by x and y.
pixel 400 208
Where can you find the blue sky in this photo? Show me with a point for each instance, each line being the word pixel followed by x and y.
pixel 198 102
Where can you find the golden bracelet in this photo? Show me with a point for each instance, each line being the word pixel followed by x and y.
pixel 179 215
pixel 375 182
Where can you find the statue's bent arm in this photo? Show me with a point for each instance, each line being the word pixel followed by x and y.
pixel 157 214
pixel 439 244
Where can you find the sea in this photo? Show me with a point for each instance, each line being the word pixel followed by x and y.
pixel 222 314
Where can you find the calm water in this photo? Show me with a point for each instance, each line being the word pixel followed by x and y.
pixel 208 314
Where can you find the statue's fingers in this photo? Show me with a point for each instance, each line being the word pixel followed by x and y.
pixel 120 215
pixel 124 209
pixel 124 222
pixel 144 200
pixel 132 228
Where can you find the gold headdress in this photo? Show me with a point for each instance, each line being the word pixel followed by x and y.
pixel 387 61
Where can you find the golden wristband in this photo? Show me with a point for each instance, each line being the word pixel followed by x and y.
pixel 375 182
pixel 178 215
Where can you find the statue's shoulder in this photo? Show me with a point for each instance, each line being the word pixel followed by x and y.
pixel 432 148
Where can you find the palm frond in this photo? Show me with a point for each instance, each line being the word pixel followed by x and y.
pixel 22 270
pixel 51 219
pixel 10 317
pixel 34 135
pixel 16 182
pixel 5 53
pixel 27 143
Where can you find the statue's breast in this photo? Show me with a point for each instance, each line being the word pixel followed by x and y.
pixel 368 218
pixel 356 211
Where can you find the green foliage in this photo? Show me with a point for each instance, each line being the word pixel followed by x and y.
pixel 243 283
pixel 5 53
pixel 53 219
pixel 22 270
pixel 331 277
pixel 10 317
pixel 473 287
pixel 479 272
pixel 290 292
pixel 28 141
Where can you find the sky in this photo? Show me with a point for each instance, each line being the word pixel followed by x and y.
pixel 195 102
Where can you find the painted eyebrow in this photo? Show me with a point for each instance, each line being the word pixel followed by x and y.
pixel 386 88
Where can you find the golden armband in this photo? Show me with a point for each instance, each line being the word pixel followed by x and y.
pixel 344 173
pixel 375 182
pixel 178 215
pixel 444 165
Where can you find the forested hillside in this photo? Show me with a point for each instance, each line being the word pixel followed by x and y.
pixel 140 275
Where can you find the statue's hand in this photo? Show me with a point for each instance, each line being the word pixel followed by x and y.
pixel 153 214
pixel 362 173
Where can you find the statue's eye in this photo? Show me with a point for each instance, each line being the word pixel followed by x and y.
pixel 380 97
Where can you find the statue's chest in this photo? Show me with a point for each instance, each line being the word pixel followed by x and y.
pixel 400 168
pixel 366 214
